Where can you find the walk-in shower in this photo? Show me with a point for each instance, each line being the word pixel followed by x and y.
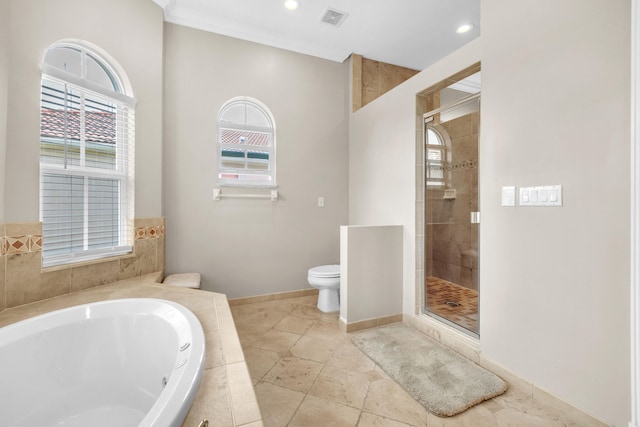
pixel 451 211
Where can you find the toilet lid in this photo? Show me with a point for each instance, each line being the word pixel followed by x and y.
pixel 325 271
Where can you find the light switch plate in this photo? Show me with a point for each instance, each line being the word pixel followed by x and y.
pixel 509 196
pixel 544 195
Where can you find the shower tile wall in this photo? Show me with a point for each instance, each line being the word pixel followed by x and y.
pixel 452 241
pixel 371 79
pixel 22 279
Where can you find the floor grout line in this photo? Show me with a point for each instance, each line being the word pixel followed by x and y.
pixel 344 358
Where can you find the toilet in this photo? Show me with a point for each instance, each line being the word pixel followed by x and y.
pixel 326 278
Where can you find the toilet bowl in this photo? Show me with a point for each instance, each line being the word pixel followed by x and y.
pixel 326 278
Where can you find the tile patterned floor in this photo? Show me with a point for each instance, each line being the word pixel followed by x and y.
pixel 442 297
pixel 307 373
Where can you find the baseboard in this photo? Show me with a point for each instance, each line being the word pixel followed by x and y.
pixel 273 297
pixel 582 418
pixel 369 323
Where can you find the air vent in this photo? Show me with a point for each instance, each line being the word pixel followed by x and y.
pixel 333 17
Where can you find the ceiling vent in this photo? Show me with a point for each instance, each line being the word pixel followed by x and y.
pixel 333 17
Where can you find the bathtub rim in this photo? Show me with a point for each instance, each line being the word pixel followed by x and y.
pixel 175 400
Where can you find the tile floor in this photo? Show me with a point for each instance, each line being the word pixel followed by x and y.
pixel 442 296
pixel 306 372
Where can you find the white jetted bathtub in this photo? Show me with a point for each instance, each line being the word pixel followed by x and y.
pixel 118 363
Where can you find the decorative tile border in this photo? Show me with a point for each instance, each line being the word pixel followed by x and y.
pixel 141 233
pixel 22 244
pixel 463 165
pixel 35 243
pixel 150 232
pixel 18 244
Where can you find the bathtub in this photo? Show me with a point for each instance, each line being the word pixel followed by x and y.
pixel 118 363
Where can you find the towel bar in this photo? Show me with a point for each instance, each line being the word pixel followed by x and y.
pixel 217 195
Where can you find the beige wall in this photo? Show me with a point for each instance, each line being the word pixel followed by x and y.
pixel 382 182
pixel 253 247
pixel 555 110
pixel 131 32
pixel 4 80
pixel 370 264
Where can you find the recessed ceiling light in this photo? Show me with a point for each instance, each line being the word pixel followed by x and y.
pixel 292 4
pixel 464 28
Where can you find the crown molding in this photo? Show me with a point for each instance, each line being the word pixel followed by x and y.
pixel 176 14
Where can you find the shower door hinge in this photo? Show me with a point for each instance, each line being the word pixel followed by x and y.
pixel 475 217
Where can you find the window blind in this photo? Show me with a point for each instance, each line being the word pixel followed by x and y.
pixel 86 162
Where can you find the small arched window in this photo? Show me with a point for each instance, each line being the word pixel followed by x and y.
pixel 246 144
pixel 435 157
pixel 86 157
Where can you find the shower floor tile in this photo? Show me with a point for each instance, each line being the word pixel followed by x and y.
pixel 452 302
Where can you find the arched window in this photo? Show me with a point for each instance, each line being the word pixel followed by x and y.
pixel 435 157
pixel 246 144
pixel 86 157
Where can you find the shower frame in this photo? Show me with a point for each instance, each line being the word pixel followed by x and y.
pixel 427 102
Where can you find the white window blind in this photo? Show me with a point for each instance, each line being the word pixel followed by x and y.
pixel 435 160
pixel 246 144
pixel 86 160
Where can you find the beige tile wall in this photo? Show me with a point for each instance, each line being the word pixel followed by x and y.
pixel 453 240
pixel 23 280
pixel 370 79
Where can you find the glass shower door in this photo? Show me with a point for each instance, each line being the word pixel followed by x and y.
pixel 451 213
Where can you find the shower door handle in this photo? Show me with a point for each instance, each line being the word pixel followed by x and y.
pixel 475 217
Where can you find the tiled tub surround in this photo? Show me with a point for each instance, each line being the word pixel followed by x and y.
pixel 225 397
pixel 23 280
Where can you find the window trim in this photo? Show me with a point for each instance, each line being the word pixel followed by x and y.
pixel 221 124
pixel 123 171
pixel 53 73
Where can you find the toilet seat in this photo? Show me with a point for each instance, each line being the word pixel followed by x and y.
pixel 325 271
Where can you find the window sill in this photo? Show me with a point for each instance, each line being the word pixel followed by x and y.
pixel 87 262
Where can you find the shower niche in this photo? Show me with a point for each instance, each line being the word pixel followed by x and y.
pixel 449 117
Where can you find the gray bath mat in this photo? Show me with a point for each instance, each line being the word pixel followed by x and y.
pixel 444 382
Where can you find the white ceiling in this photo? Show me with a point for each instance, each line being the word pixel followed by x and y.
pixel 408 33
